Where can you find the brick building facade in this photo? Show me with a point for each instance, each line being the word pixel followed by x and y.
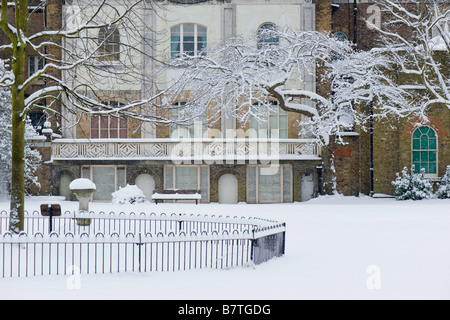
pixel 387 146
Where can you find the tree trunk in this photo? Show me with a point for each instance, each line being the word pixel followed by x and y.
pixel 17 207
pixel 19 64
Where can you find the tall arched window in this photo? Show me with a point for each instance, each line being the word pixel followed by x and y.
pixel 189 39
pixel 265 37
pixel 109 41
pixel 424 150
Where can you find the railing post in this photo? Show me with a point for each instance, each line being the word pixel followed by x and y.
pixel 139 244
pixel 252 247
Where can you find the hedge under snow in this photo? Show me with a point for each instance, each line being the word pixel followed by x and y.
pixel 444 187
pixel 412 186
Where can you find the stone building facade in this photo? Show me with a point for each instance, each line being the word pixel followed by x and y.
pixel 226 170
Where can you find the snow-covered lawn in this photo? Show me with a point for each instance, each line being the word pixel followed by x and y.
pixel 336 248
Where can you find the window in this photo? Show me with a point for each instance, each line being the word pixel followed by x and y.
pixel 274 122
pixel 189 130
pixel 35 63
pixel 188 177
pixel 424 150
pixel 340 36
pixel 109 41
pixel 265 37
pixel 188 39
pixel 267 184
pixel 109 126
pixel 108 179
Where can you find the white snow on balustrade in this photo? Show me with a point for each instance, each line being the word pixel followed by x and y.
pixel 188 149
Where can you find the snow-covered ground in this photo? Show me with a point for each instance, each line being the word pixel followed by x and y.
pixel 336 248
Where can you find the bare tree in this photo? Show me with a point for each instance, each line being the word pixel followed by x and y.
pixel 416 37
pixel 239 79
pixel 87 47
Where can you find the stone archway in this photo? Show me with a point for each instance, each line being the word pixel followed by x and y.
pixel 228 189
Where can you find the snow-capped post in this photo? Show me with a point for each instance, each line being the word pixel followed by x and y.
pixel 83 189
pixel 47 131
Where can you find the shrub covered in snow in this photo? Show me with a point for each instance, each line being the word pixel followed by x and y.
pixel 130 194
pixel 444 188
pixel 412 186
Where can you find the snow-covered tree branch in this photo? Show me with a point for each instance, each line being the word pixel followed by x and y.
pixel 88 51
pixel 417 40
pixel 239 79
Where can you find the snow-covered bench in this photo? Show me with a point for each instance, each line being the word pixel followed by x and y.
pixel 161 195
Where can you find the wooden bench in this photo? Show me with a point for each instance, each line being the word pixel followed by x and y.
pixel 161 195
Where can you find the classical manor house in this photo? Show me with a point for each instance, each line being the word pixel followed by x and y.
pixel 113 152
pixel 252 166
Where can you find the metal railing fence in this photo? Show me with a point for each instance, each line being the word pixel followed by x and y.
pixel 124 223
pixel 136 242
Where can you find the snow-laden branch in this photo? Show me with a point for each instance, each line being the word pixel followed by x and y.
pixel 94 22
pixel 422 51
pixel 82 50
pixel 238 79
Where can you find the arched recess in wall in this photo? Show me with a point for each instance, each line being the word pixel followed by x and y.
pixel 307 186
pixel 64 180
pixel 146 183
pixel 228 189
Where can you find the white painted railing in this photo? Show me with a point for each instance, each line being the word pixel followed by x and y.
pixel 186 149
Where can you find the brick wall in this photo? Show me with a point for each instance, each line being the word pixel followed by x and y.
pixel 341 160
pixel 323 15
pixel 392 137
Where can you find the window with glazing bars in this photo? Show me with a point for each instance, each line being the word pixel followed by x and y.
pixel 424 150
pixel 188 39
